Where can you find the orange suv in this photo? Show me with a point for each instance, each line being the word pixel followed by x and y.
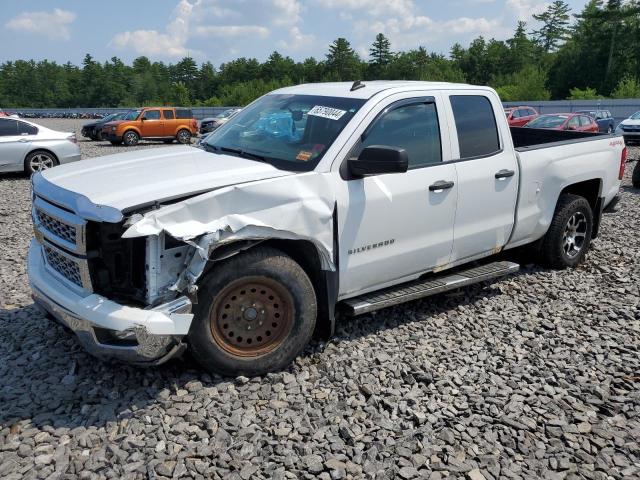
pixel 164 123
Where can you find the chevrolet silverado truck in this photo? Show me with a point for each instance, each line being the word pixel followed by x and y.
pixel 315 201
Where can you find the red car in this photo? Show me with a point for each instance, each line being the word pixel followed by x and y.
pixel 520 116
pixel 565 121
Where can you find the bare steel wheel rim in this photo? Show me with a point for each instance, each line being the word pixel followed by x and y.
pixel 575 234
pixel 41 161
pixel 252 316
pixel 184 136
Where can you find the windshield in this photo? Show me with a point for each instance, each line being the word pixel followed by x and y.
pixel 291 132
pixel 131 115
pixel 550 121
pixel 635 116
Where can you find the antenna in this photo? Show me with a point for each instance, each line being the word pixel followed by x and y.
pixel 357 85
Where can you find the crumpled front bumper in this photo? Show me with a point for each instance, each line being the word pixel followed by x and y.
pixel 105 328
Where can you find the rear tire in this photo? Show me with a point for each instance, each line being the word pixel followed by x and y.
pixel 567 241
pixel 635 176
pixel 39 160
pixel 184 137
pixel 130 138
pixel 256 312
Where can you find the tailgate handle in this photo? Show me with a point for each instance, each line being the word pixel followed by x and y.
pixel 441 185
pixel 505 174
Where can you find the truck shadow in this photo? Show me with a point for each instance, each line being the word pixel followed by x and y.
pixel 48 379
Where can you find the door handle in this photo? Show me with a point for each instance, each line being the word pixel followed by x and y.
pixel 24 140
pixel 504 174
pixel 441 185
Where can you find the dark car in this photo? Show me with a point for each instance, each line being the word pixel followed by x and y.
pixel 565 121
pixel 93 130
pixel 602 117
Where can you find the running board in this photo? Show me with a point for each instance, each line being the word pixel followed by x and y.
pixel 425 288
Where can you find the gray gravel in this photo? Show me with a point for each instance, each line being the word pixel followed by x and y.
pixel 535 376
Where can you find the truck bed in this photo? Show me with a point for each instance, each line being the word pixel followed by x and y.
pixel 533 138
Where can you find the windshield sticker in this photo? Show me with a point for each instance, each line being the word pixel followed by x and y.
pixel 304 156
pixel 326 112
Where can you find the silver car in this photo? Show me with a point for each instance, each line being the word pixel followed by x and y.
pixel 25 146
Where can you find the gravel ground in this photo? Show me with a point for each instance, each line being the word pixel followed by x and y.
pixel 534 376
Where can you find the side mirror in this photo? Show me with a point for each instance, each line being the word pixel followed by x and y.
pixel 379 159
pixel 142 119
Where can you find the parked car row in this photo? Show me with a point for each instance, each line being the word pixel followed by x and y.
pixel 593 121
pixel 157 123
pixel 72 115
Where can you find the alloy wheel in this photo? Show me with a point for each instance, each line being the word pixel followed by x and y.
pixel 575 233
pixel 40 162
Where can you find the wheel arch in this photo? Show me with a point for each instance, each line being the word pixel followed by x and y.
pixel 591 190
pixel 305 254
pixel 38 149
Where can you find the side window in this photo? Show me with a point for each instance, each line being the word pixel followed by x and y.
pixel 586 121
pixel 476 125
pixel 574 122
pixel 8 128
pixel 524 113
pixel 413 127
pixel 152 115
pixel 183 113
pixel 516 114
pixel 26 129
pixel 168 114
pixel 532 112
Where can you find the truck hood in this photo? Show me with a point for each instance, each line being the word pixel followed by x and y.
pixel 141 177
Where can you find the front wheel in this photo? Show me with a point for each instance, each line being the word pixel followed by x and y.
pixel 635 177
pixel 567 241
pixel 610 130
pixel 184 137
pixel 38 161
pixel 256 312
pixel 130 138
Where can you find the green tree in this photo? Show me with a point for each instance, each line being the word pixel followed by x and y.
pixel 629 87
pixel 343 62
pixel 380 56
pixel 555 25
pixel 583 94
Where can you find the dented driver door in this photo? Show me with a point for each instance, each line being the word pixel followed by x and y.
pixel 394 227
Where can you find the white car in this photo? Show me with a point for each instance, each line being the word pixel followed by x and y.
pixel 25 146
pixel 315 199
pixel 630 128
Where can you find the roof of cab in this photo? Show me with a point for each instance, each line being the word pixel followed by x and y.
pixel 370 88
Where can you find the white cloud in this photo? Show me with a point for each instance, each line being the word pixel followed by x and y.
pixel 53 24
pixel 286 12
pixel 525 9
pixel 152 42
pixel 298 40
pixel 372 7
pixel 232 31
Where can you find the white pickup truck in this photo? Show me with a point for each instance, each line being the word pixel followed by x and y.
pixel 314 200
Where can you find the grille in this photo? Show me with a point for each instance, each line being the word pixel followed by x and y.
pixel 58 228
pixel 65 266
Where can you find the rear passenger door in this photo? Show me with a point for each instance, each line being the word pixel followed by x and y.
pixel 487 174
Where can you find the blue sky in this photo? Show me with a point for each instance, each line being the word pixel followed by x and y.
pixel 220 30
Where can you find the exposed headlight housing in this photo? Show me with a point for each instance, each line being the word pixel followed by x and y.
pixel 113 129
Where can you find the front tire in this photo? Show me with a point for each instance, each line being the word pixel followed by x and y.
pixel 38 161
pixel 256 312
pixel 635 176
pixel 130 138
pixel 567 241
pixel 184 137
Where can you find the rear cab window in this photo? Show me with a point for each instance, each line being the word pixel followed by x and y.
pixel 476 126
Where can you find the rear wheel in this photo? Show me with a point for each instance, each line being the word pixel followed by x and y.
pixel 184 136
pixel 610 130
pixel 256 312
pixel 635 177
pixel 130 138
pixel 38 161
pixel 567 241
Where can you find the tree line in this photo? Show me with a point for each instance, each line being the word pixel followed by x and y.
pixel 591 54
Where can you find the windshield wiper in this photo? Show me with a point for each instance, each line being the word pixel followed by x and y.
pixel 236 151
